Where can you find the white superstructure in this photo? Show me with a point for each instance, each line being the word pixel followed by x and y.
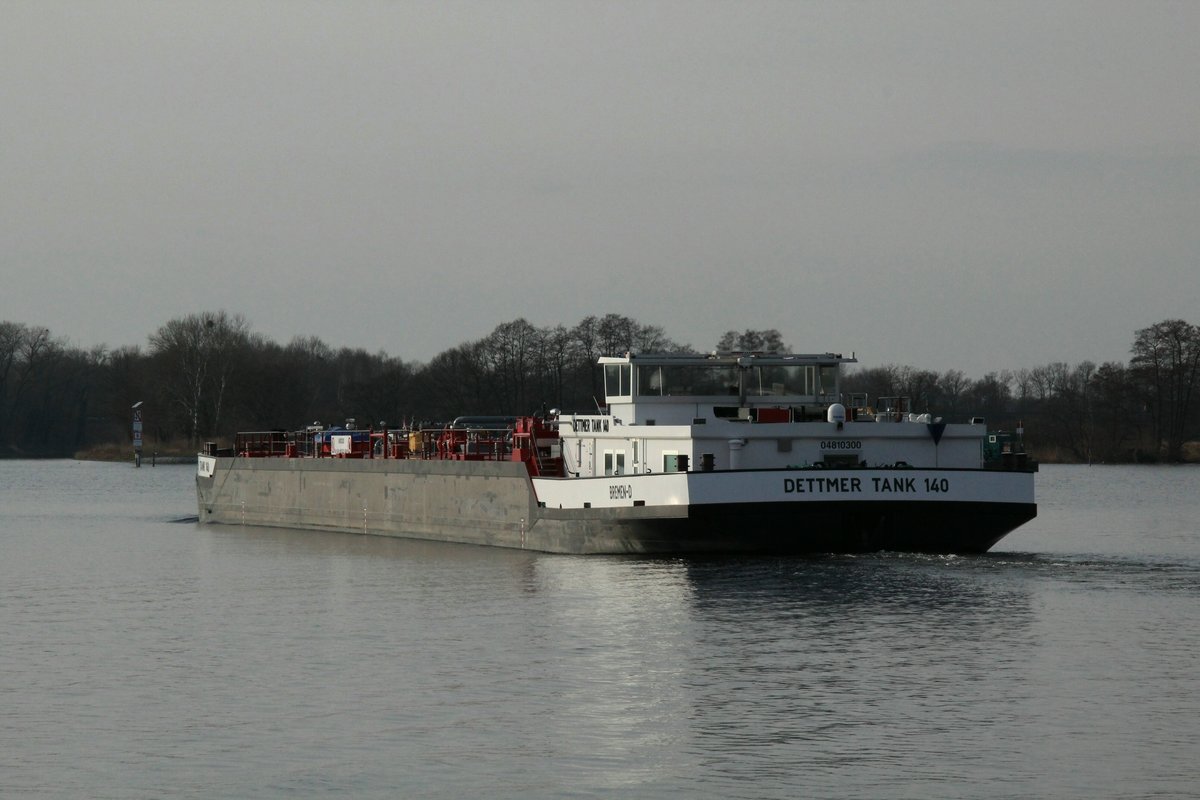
pixel 667 413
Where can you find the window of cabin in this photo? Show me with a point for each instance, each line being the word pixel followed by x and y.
pixel 618 380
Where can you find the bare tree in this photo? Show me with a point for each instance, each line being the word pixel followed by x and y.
pixel 199 352
pixel 991 395
pixel 1166 356
pixel 953 386
pixel 749 341
pixel 23 349
pixel 875 382
pixel 510 351
pixel 618 334
pixel 555 358
pixel 1118 421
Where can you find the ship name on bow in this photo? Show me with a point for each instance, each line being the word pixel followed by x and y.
pixel 878 485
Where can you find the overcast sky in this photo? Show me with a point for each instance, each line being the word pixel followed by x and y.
pixel 958 185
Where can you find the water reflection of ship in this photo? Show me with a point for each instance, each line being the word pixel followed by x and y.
pixel 732 659
pixel 896 583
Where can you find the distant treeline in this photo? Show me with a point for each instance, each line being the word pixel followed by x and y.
pixel 204 376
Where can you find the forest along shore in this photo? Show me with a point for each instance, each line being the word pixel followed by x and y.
pixel 205 376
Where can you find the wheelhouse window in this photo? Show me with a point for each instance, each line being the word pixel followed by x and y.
pixel 787 380
pixel 684 380
pixel 618 380
pixel 829 380
pixel 799 378
pixel 725 380
pixel 650 381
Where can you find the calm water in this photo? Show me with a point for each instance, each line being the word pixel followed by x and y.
pixel 146 657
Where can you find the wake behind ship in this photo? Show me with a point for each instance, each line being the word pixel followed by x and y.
pixel 732 452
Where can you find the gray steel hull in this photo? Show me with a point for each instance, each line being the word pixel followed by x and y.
pixel 493 503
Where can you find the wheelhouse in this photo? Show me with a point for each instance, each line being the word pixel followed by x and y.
pixel 678 389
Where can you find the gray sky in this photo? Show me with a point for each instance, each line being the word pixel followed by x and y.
pixel 954 185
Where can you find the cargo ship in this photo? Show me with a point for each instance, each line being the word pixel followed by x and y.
pixel 719 453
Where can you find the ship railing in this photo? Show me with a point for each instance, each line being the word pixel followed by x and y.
pixel 448 443
pixel 422 443
pixel 262 444
pixel 389 444
pixel 893 409
pixel 474 444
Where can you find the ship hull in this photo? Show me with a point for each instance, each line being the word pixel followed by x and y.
pixel 496 503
